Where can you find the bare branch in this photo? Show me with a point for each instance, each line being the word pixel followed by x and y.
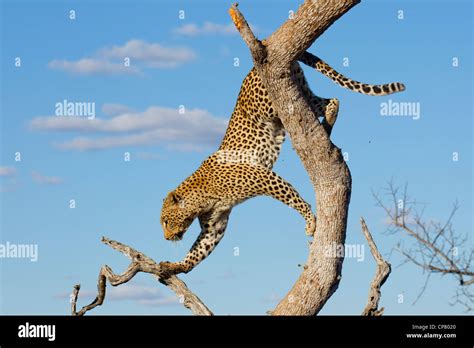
pixel 423 288
pixel 469 282
pixel 464 297
pixel 435 245
pixel 256 47
pixel 309 22
pixel 381 275
pixel 140 263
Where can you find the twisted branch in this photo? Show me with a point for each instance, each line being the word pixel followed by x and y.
pixel 140 263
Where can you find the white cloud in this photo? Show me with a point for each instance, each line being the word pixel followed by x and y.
pixel 165 301
pixel 141 294
pixel 46 180
pixel 9 180
pixel 10 184
pixel 208 28
pixel 110 60
pixel 89 66
pixel 112 109
pixel 7 171
pixel 152 54
pixel 195 129
pixel 152 118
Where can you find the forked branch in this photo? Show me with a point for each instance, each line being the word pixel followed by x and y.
pixel 140 263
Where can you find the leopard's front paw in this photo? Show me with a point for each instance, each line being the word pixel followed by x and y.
pixel 170 268
pixel 311 226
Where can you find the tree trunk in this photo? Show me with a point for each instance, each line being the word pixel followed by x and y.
pixel 322 160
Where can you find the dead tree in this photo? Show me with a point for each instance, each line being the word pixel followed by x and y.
pixel 430 245
pixel 323 161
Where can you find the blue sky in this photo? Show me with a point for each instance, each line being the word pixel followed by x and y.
pixel 190 62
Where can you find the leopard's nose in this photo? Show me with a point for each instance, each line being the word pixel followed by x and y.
pixel 168 235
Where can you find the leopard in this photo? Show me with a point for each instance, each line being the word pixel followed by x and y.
pixel 241 168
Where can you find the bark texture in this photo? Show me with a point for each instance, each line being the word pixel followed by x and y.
pixel 322 160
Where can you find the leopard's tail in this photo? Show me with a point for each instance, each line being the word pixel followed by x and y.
pixel 364 88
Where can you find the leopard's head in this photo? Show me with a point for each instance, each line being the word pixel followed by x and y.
pixel 175 216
